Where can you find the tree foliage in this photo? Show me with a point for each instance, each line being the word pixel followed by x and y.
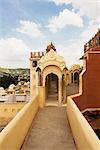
pixel 5 81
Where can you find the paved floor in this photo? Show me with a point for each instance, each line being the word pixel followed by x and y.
pixel 50 131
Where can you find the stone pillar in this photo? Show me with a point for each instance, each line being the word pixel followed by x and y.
pixel 60 91
pixel 33 81
pixel 41 96
pixel 64 92
pixel 64 88
pixel 73 77
pixel 46 88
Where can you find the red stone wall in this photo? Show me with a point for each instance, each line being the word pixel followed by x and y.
pixel 90 97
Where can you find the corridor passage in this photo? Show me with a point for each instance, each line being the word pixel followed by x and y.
pixel 50 131
pixel 51 88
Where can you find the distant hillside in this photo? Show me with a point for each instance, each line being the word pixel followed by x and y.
pixel 13 76
pixel 4 70
pixel 15 72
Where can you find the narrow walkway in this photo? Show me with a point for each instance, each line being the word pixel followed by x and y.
pixel 50 131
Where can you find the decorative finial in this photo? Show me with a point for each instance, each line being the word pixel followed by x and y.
pixel 49 47
pixel 51 43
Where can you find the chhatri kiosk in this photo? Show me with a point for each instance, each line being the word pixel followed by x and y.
pixel 48 76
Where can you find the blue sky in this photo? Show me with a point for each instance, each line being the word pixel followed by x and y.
pixel 30 25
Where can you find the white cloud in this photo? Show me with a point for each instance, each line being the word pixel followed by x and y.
pixel 64 18
pixel 30 28
pixel 90 8
pixel 13 53
pixel 71 51
pixel 90 31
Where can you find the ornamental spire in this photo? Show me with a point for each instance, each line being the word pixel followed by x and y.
pixel 50 46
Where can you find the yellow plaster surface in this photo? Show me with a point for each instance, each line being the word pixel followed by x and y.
pixel 9 110
pixel 84 136
pixel 12 137
pixel 75 67
pixel 52 58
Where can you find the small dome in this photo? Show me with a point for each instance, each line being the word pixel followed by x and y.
pixel 25 83
pixel 2 91
pixel 19 83
pixel 75 67
pixel 28 83
pixel 11 86
pixel 1 88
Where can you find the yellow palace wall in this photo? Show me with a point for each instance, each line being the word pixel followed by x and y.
pixel 84 136
pixel 9 110
pixel 13 135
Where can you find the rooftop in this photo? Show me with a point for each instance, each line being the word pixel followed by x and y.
pixel 94 42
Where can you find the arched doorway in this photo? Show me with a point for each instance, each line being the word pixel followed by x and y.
pixel 51 87
pixel 76 77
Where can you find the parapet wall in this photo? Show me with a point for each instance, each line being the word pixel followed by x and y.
pixel 9 110
pixel 84 136
pixel 13 135
pixel 37 54
pixel 90 81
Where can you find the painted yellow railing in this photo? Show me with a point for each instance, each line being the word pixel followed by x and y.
pixel 12 137
pixel 84 136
